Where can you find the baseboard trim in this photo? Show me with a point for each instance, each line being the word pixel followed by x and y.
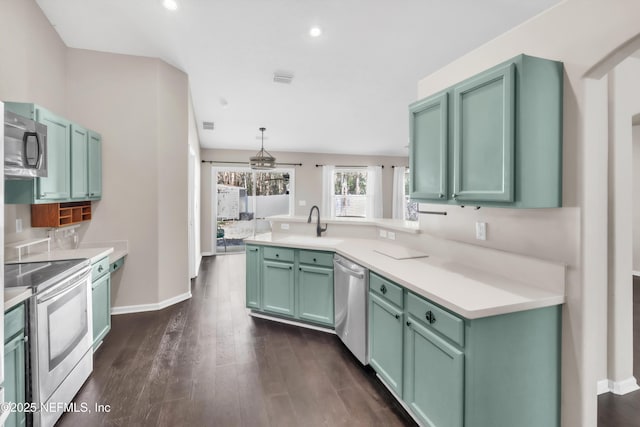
pixel 635 273
pixel 603 387
pixel 140 308
pixel 624 386
pixel 207 253
pixel 291 322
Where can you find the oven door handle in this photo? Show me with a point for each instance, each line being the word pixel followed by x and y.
pixel 60 292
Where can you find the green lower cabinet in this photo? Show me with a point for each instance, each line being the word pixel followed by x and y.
pixel 253 273
pixel 433 377
pixel 385 341
pixel 294 283
pixel 101 307
pixel 496 371
pixel 15 364
pixel 315 294
pixel 278 288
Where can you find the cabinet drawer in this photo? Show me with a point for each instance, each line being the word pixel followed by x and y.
pixel 436 318
pixel 13 322
pixel 99 269
pixel 316 258
pixel 386 289
pixel 116 265
pixel 279 254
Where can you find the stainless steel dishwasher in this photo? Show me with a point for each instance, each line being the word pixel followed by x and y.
pixel 351 289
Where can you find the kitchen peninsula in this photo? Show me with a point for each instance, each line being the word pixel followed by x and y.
pixel 452 341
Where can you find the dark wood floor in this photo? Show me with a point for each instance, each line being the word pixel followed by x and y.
pixel 624 411
pixel 206 362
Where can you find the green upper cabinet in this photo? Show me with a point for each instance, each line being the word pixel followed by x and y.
pixel 315 294
pixel 57 185
pixel 74 162
pixel 428 155
pixel 503 134
pixel 483 137
pixel 95 165
pixel 79 167
pixel 253 272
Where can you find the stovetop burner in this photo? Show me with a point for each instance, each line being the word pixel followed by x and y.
pixel 40 275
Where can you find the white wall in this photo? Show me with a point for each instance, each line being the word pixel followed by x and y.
pixel 590 37
pixel 308 179
pixel 194 144
pixel 140 106
pixel 32 69
pixel 624 103
pixel 636 199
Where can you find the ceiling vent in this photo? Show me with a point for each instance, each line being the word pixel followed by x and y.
pixel 282 77
pixel 207 125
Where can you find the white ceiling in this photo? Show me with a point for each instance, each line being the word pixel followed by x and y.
pixel 351 87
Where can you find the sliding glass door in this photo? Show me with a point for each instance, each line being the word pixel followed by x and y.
pixel 243 199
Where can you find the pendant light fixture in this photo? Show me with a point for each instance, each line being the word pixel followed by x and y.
pixel 262 160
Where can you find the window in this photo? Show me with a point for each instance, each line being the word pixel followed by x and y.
pixel 410 207
pixel 350 193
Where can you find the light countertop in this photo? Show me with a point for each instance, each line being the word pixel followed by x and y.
pixel 94 251
pixel 470 292
pixel 15 296
pixel 93 254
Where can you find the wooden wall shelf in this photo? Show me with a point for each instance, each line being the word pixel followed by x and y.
pixel 60 214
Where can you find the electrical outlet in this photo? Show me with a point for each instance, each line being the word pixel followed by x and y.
pixel 391 235
pixel 481 230
pixel 284 226
pixel 383 234
pixel 302 203
pixel 18 225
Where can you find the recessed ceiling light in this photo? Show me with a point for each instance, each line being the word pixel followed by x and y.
pixel 315 31
pixel 170 4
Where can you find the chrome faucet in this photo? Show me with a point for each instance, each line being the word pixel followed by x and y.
pixel 319 229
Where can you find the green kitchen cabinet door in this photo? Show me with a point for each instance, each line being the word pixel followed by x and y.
pixel 484 137
pixel 385 341
pixel 101 306
pixel 315 294
pixel 428 127
pixel 278 288
pixel 433 377
pixel 57 185
pixel 95 166
pixel 79 166
pixel 14 378
pixel 253 273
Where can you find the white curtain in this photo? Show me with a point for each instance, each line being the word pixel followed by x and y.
pixel 398 192
pixel 374 191
pixel 328 188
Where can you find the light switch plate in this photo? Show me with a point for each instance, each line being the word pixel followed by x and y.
pixel 302 203
pixel 284 226
pixel 383 234
pixel 18 225
pixel 391 235
pixel 481 230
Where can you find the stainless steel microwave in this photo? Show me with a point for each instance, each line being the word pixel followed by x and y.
pixel 25 147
